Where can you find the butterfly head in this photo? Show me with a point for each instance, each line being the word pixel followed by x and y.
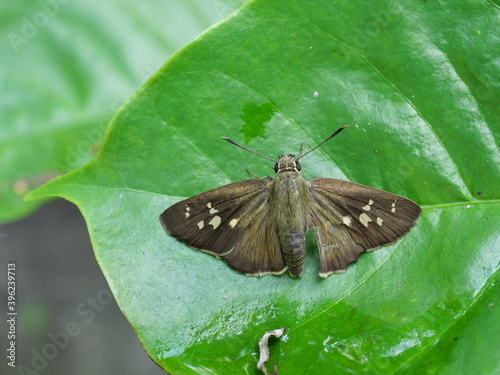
pixel 287 163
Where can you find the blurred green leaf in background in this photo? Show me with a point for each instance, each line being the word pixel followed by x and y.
pixel 419 82
pixel 66 67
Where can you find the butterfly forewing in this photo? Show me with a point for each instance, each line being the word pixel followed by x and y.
pixel 230 222
pixel 350 218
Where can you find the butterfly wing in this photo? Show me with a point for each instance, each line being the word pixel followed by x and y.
pixel 230 222
pixel 350 218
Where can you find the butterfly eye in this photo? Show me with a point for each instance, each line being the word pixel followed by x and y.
pixel 276 167
pixel 297 165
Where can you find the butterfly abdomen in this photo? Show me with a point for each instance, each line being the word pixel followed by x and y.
pixel 289 211
pixel 293 248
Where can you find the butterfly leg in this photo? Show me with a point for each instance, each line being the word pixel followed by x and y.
pixel 254 175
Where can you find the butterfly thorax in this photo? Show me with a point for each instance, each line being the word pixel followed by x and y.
pixel 290 204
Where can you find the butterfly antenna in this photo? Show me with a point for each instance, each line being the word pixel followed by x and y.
pixel 330 137
pixel 244 148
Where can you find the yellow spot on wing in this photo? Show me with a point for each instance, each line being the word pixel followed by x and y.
pixel 233 222
pixel 365 219
pixel 215 222
pixel 346 220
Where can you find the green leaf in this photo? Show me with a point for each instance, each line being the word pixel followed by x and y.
pixel 66 67
pixel 419 83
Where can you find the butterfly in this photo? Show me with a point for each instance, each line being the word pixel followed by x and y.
pixel 257 225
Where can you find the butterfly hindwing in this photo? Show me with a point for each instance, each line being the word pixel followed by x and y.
pixel 230 222
pixel 337 249
pixel 258 251
pixel 350 218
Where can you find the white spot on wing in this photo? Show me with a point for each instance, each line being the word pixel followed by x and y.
pixel 380 221
pixel 370 202
pixel 365 219
pixel 233 222
pixel 201 224
pixel 209 204
pixel 215 222
pixel 187 214
pixel 367 208
pixel 213 211
pixel 346 220
pixel 393 209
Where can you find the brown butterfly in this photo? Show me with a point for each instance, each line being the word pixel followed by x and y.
pixel 257 226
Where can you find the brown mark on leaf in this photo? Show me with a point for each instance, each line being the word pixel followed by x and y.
pixel 264 351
